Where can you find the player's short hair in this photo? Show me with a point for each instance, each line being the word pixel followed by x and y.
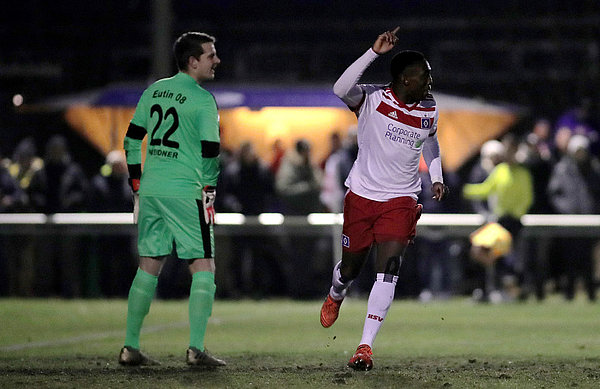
pixel 404 59
pixel 190 45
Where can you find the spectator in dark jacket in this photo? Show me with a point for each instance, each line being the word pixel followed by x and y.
pixel 298 181
pixel 115 255
pixel 247 188
pixel 110 191
pixel 247 184
pixel 574 188
pixel 60 186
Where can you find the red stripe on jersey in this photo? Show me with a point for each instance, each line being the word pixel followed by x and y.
pixel 402 105
pixel 399 116
pixel 417 108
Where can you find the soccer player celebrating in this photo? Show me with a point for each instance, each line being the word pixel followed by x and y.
pixel 396 124
pixel 174 196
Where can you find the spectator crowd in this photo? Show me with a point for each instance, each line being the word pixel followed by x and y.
pixel 551 169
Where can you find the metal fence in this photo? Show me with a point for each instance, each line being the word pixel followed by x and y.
pixel 301 249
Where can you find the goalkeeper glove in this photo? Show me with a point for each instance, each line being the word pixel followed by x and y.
pixel 135 186
pixel 209 193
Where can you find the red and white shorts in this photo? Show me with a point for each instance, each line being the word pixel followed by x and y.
pixel 367 221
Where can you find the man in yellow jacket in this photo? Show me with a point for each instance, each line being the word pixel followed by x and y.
pixel 509 187
pixel 509 190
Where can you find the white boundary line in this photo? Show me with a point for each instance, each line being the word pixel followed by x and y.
pixel 89 337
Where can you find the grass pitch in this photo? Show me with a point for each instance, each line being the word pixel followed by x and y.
pixel 280 343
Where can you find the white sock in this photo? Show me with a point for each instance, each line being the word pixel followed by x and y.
pixel 338 288
pixel 380 300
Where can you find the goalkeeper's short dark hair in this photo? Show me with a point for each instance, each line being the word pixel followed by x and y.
pixel 190 45
pixel 404 59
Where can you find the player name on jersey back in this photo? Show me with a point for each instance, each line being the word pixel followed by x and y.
pixel 167 94
pixel 162 153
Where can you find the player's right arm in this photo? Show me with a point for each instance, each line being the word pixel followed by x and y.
pixel 133 146
pixel 133 153
pixel 346 87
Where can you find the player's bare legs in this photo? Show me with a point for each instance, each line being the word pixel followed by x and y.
pixel 140 297
pixel 385 251
pixel 201 264
pixel 202 296
pixel 152 265
pixel 387 267
pixel 352 263
pixel 344 273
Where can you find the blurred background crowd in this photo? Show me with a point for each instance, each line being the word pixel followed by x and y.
pixel 544 61
pixel 560 159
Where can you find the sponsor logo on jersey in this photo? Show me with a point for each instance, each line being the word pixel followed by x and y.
pixel 393 115
pixel 426 123
pixel 346 241
pixel 404 135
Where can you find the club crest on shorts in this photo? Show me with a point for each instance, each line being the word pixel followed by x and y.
pixel 425 123
pixel 346 241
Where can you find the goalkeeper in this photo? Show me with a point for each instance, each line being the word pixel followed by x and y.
pixel 174 196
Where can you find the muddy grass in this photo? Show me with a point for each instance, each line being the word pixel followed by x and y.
pixel 271 371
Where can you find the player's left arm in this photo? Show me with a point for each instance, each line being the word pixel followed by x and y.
pixel 210 145
pixel 433 159
pixel 210 142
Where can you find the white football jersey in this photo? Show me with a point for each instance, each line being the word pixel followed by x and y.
pixel 390 139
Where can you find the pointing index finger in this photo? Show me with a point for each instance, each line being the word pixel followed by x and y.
pixel 395 30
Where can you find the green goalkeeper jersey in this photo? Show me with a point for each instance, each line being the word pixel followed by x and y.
pixel 182 123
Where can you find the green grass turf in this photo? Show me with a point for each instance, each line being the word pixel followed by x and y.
pixel 280 343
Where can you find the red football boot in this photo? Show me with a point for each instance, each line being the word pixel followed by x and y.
pixel 361 360
pixel 330 311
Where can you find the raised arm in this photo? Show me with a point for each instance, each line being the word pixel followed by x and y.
pixel 346 87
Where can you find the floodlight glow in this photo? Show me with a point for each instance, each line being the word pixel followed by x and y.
pixel 17 100
pixel 441 219
pixel 325 218
pixel 230 219
pixel 23 218
pixel 561 220
pixel 271 219
pixel 92 218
